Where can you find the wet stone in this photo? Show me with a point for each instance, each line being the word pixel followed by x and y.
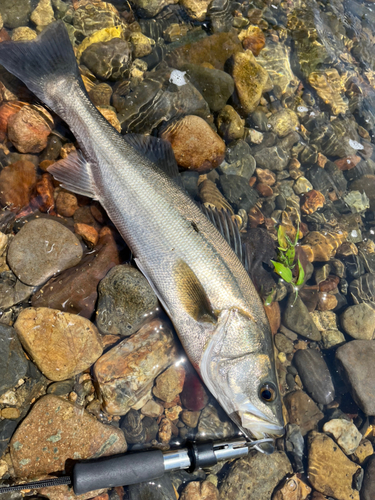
pixel 244 167
pixel 169 383
pixel 368 487
pixel 283 344
pixel 41 249
pixel 61 344
pixel 295 446
pixel 28 130
pixel 315 375
pixel 133 428
pixel 331 338
pixel 125 301
pixel 238 192
pixel 197 490
pixel 61 388
pixel 152 409
pixel 108 60
pixel 297 318
pixel 284 122
pixel 42 15
pixel 16 184
pixel 255 476
pixel 358 321
pixel 194 396
pixel 212 426
pixel 359 375
pixel 302 411
pixel 13 362
pixel 15 14
pixel 345 433
pixel 230 125
pixel 273 158
pixel 54 428
pixel 7 428
pixel 126 373
pixel 329 470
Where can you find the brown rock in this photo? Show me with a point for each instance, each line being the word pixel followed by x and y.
pixel 152 409
pixel 75 290
pixel 126 372
pixel 165 430
pixel 311 201
pixel 256 218
pixel 347 249
pixel 61 344
pixel 190 418
pixel 348 162
pixel 264 189
pixel 54 432
pixel 173 413
pixel 66 204
pixel 321 247
pixel 29 129
pixel 302 411
pixel 10 413
pixel 7 110
pixel 229 123
pixel 200 490
pixel 273 315
pixel 194 396
pixel 88 233
pixel 292 489
pixel 16 184
pixel 329 284
pixel 253 39
pixel 265 176
pixel 195 145
pixel 326 302
pixel 329 470
pixel 43 195
pixel 170 383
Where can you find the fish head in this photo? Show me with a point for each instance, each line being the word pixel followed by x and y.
pixel 239 369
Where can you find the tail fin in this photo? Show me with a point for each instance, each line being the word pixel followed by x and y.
pixel 42 60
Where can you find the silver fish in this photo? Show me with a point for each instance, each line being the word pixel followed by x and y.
pixel 198 278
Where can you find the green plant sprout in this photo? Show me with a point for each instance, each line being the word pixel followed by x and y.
pixel 286 260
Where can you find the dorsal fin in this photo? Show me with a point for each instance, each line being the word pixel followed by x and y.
pixel 191 293
pixel 75 174
pixel 156 150
pixel 223 222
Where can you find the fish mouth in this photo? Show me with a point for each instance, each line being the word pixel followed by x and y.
pixel 256 426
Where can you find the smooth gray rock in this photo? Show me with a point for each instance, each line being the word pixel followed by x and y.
pixel 368 486
pixel 315 375
pixel 358 321
pixel 237 191
pixel 297 318
pixel 356 362
pixel 13 362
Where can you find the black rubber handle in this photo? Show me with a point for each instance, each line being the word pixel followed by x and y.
pixel 119 470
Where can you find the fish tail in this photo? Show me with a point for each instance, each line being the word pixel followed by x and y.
pixel 43 62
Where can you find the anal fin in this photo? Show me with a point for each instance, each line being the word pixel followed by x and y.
pixel 75 174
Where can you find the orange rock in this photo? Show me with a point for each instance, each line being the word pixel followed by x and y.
pixel 264 189
pixel 43 199
pixel 329 284
pixel 311 201
pixel 274 316
pixel 322 160
pixel 292 488
pixel 88 233
pixel 66 204
pixel 195 145
pixel 198 490
pixel 348 162
pixel 29 129
pixel 265 176
pixel 7 110
pixel 43 165
pixel 256 218
pixel 170 383
pixel 321 247
pixel 4 35
pixel 16 184
pixel 165 430
pixel 326 302
pixel 253 39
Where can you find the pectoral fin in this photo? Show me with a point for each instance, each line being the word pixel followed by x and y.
pixel 192 294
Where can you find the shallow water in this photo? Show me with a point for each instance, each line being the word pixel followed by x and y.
pixel 270 111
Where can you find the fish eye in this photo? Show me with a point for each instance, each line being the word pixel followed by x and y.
pixel 267 393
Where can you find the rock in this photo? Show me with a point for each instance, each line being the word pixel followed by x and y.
pixel 13 362
pixel 302 411
pixel 66 204
pixel 101 95
pixel 149 8
pixel 255 476
pixel 357 202
pixel 42 15
pixel 170 383
pixel 297 318
pixel 54 428
pixel 197 490
pixel 61 344
pixel 75 289
pixel 215 85
pixel 152 409
pixel 190 418
pixel 331 338
pixel 273 158
pixel 41 249
pixel 292 489
pixel 126 372
pixel 23 33
pixel 133 428
pixel 250 81
pixel 368 487
pixel 7 428
pixel 358 321
pixel 252 39
pixel 295 446
pixel 212 427
pixel 359 375
pixel 321 247
pixel 326 302
pixel 366 184
pixel 196 9
pixel 265 176
pixel 364 450
pixel 89 18
pixel 15 14
pixel 330 472
pixel 302 185
pixel 165 430
pixel 345 433
pixel 88 233
pixel 142 45
pixel 125 300
pixel 194 396
pixel 315 375
pixel 324 320
pixel 238 192
pixel 158 489
pixel 324 179
pixel 61 388
pixel 16 184
pixel 244 167
pixel 108 60
pixel 28 130
pixel 348 162
pixel 195 145
pixel 284 122
pixel 283 344
pixel 230 125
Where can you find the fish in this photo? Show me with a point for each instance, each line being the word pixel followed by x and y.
pixel 198 278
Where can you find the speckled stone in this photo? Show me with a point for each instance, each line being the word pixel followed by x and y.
pixel 126 301
pixel 283 122
pixel 126 373
pixel 15 14
pixel 358 321
pixel 169 383
pixel 213 426
pixel 61 344
pixel 108 60
pixel 345 433
pixel 302 411
pixel 42 248
pixel 54 431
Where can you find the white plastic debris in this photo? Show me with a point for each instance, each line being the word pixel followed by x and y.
pixel 178 78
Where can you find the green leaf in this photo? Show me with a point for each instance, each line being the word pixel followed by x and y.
pixel 281 237
pixel 301 273
pixel 269 298
pixel 290 254
pixel 282 271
